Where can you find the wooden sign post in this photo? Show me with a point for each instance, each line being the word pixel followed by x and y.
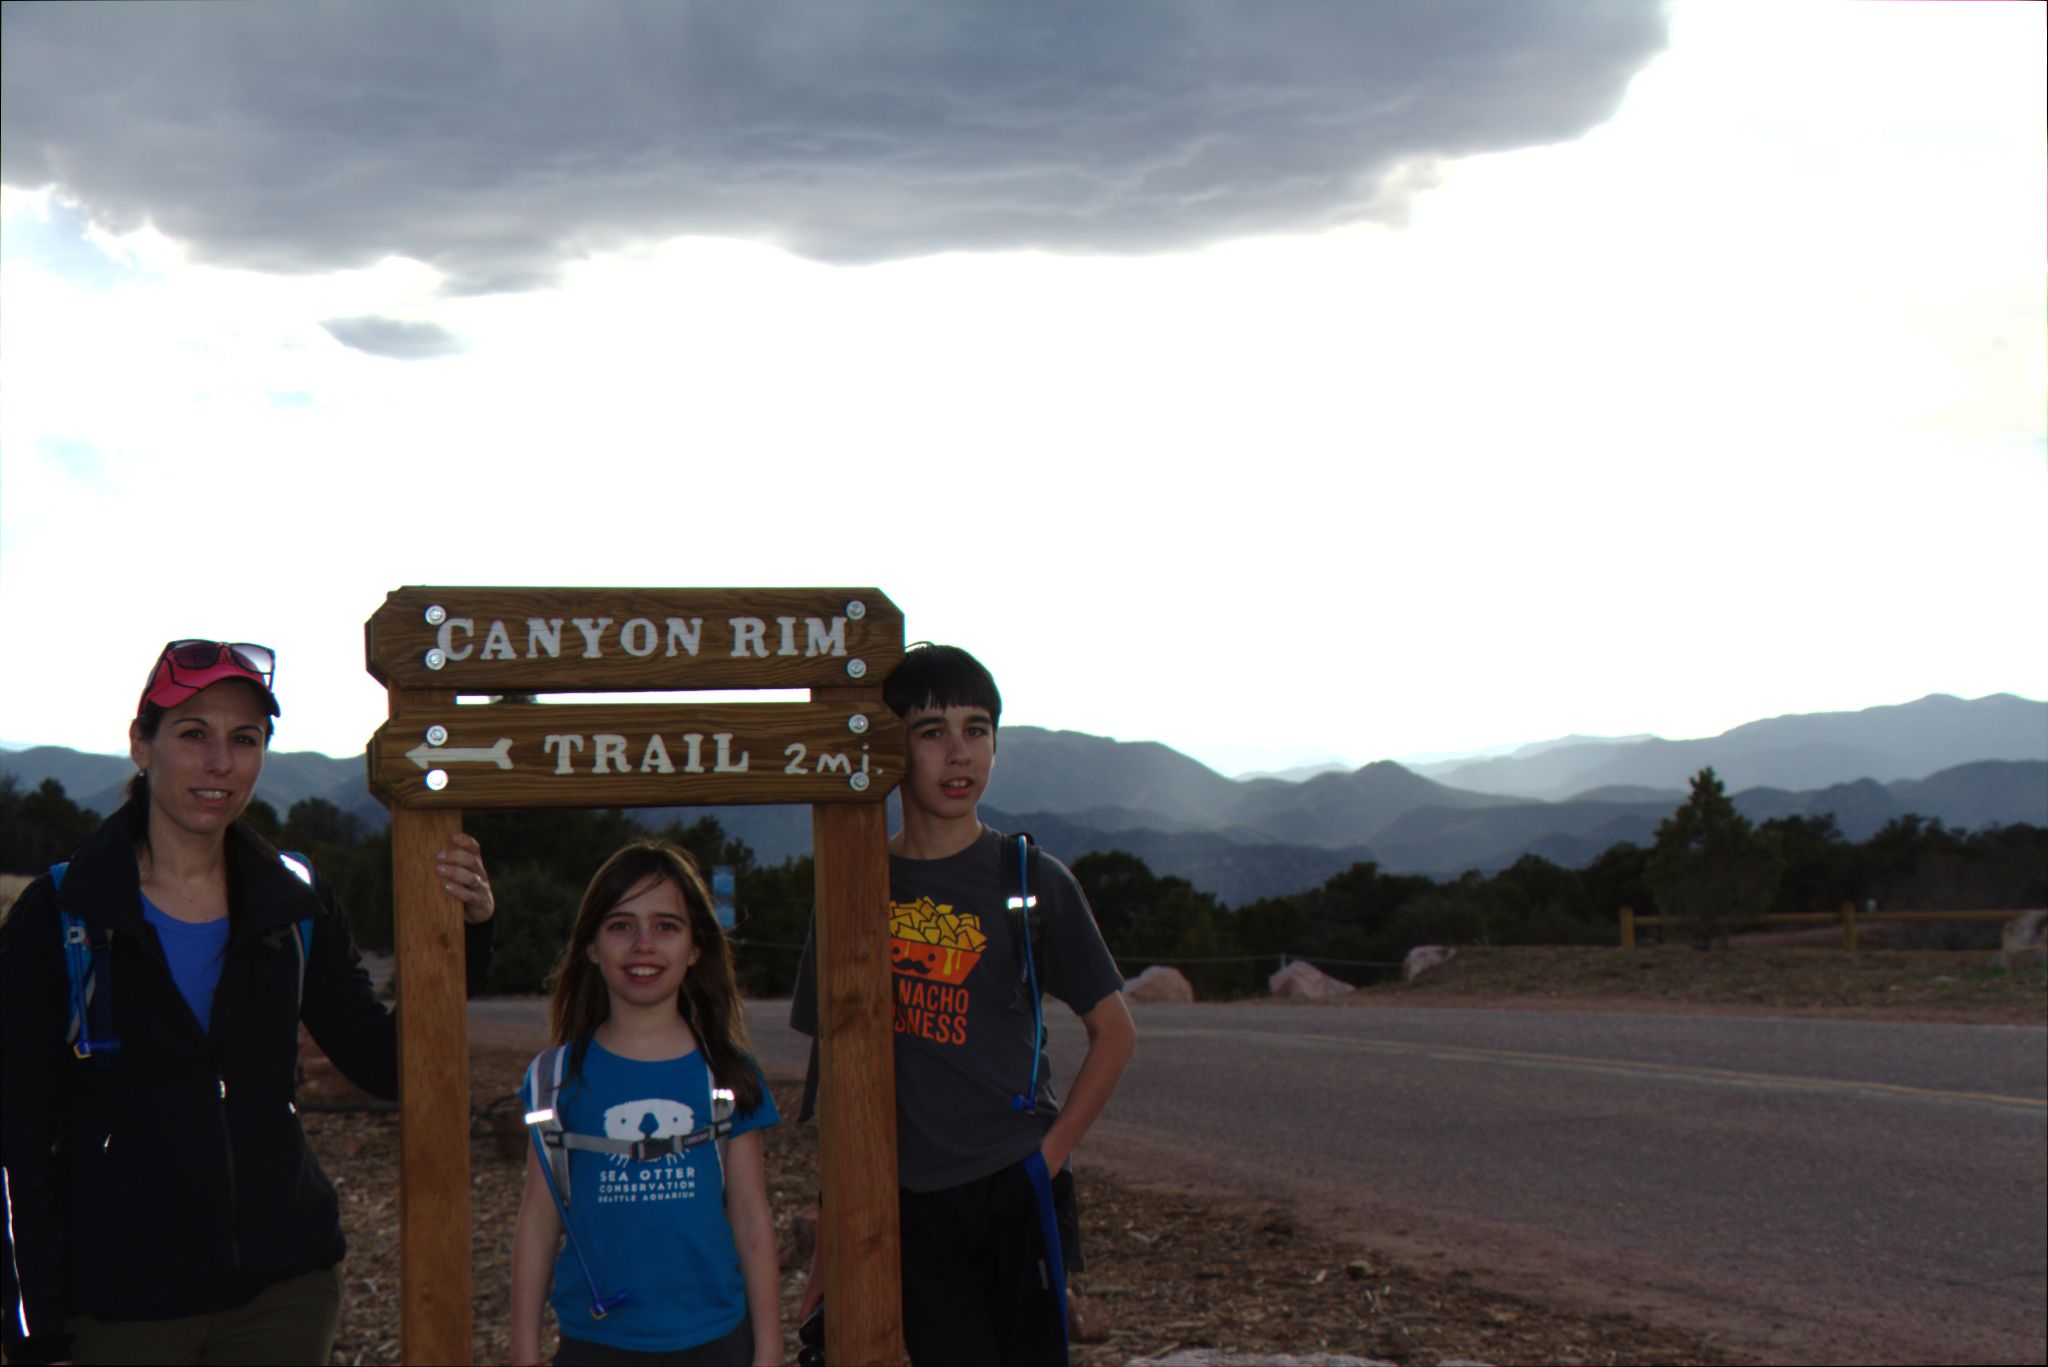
pixel 842 752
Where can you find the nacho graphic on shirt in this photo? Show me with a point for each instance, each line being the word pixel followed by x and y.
pixel 932 949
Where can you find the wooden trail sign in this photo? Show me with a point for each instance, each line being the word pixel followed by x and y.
pixel 842 752
pixel 511 640
pixel 637 755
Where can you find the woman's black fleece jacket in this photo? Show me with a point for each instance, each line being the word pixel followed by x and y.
pixel 174 1180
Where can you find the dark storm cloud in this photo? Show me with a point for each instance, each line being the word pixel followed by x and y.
pixel 497 141
pixel 394 337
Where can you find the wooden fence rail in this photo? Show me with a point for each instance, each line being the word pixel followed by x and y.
pixel 1847 918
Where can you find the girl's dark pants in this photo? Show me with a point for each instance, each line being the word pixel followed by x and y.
pixel 734 1350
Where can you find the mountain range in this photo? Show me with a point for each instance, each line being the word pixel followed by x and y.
pixel 1807 750
pixel 1969 763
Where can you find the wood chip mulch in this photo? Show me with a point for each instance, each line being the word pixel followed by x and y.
pixel 1165 1271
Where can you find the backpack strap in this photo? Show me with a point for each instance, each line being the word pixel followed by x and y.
pixel 1020 901
pixel 543 1117
pixel 88 951
pixel 1020 872
pixel 723 1104
pixel 642 1150
pixel 301 868
pixel 304 940
pixel 645 1149
pixel 555 1142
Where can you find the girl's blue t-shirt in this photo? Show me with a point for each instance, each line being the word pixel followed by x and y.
pixel 656 1230
pixel 195 950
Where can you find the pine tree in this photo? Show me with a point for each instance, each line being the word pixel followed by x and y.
pixel 1709 869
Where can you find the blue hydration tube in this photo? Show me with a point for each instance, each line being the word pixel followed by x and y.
pixel 600 1304
pixel 1049 1231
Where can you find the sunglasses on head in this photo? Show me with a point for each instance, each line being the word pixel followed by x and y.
pixel 259 660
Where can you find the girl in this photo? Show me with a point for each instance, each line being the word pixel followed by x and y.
pixel 670 1255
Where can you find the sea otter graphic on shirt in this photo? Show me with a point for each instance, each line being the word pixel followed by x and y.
pixel 655 1117
pixel 671 1177
pixel 932 949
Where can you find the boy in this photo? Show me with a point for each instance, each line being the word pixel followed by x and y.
pixel 977 1285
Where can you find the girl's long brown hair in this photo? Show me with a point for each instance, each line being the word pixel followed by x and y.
pixel 710 999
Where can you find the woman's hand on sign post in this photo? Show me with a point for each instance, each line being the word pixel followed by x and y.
pixel 460 866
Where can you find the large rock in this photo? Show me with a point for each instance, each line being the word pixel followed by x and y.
pixel 1089 1319
pixel 2025 937
pixel 1423 958
pixel 1303 979
pixel 1160 984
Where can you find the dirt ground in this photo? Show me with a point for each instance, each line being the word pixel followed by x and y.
pixel 1165 1271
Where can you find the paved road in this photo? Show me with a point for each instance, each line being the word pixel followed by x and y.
pixel 1827 1191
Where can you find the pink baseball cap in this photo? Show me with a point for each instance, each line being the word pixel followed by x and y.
pixel 186 667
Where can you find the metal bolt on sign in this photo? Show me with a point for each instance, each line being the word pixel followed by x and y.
pixel 437 735
pixel 856 610
pixel 856 669
pixel 858 782
pixel 436 615
pixel 435 659
pixel 437 779
pixel 857 724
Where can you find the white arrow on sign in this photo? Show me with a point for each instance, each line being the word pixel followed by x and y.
pixel 428 757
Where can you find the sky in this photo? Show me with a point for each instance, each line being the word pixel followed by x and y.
pixel 1279 381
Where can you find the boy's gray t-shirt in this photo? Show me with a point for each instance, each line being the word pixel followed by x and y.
pixel 963 1014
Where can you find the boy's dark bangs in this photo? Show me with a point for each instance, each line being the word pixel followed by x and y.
pixel 939 677
pixel 939 699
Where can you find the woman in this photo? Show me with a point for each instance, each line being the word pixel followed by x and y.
pixel 161 1202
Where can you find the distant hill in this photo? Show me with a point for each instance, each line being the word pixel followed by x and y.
pixel 1632 792
pixel 1243 839
pixel 1811 750
pixel 1240 864
pixel 101 781
pixel 1988 793
pixel 83 775
pixel 1438 765
pixel 1299 772
pixel 1054 771
pixel 1444 841
pixel 1342 809
pixel 1235 872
